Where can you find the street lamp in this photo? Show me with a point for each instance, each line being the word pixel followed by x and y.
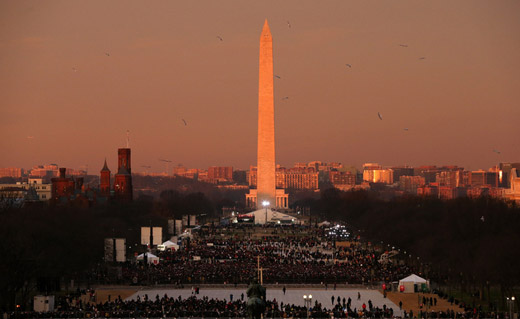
pixel 511 304
pixel 265 204
pixel 307 300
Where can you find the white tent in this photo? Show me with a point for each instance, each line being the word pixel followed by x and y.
pixel 152 259
pixel 273 216
pixel 168 244
pixel 413 283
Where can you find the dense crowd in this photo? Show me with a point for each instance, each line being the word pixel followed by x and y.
pixel 287 260
pixel 215 308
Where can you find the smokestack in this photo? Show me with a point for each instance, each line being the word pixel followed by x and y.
pixel 62 172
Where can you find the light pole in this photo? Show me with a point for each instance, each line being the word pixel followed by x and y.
pixel 307 300
pixel 511 304
pixel 265 204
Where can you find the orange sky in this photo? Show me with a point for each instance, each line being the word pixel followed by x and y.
pixel 166 64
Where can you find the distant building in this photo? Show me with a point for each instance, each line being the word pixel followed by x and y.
pixel 240 177
pixel 483 178
pixel 221 173
pixel 505 173
pixel 374 173
pixel 104 181
pixel 62 186
pixel 41 191
pixel 342 180
pixel 410 184
pixel 123 189
pixel 297 178
pixel 43 171
pixel 402 171
pixel 513 193
pixel 11 172
pixel 453 178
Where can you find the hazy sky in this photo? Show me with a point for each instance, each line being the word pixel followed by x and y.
pixel 76 75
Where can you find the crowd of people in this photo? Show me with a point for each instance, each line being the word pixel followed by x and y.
pixel 204 307
pixel 283 260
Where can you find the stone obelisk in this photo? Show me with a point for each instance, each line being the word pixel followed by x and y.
pixel 266 169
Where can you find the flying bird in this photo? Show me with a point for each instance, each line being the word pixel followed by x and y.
pixel 220 38
pixel 498 152
pixel 406 129
pixel 348 65
pixel 277 76
pixel 285 98
pixel 107 54
pixel 403 45
pixel 74 69
pixel 482 218
pixel 422 58
pixel 380 116
pixel 289 24
pixel 184 122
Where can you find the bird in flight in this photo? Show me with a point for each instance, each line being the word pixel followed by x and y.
pixel 406 129
pixel 403 45
pixel 74 69
pixel 289 24
pixel 285 98
pixel 380 116
pixel 498 152
pixel 220 38
pixel 184 122
pixel 422 58
pixel 348 65
pixel 277 76
pixel 107 54
pixel 482 219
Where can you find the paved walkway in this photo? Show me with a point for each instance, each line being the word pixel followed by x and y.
pixel 292 295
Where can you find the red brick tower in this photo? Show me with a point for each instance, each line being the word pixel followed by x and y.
pixel 62 186
pixel 123 179
pixel 104 182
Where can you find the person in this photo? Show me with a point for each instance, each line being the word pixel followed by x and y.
pixel 231 297
pixel 284 289
pixel 332 300
pixel 400 305
pixel 358 296
pixel 339 300
pixel 242 296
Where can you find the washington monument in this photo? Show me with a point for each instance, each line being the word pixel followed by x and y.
pixel 266 191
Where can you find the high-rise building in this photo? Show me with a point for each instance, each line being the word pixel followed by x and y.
pixel 220 173
pixel 266 191
pixel 11 172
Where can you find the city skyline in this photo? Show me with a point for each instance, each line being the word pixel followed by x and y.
pixel 401 83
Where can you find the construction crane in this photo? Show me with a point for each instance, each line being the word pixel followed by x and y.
pixel 167 166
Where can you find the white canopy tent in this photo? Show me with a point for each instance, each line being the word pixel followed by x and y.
pixel 413 283
pixel 272 216
pixel 168 245
pixel 152 259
